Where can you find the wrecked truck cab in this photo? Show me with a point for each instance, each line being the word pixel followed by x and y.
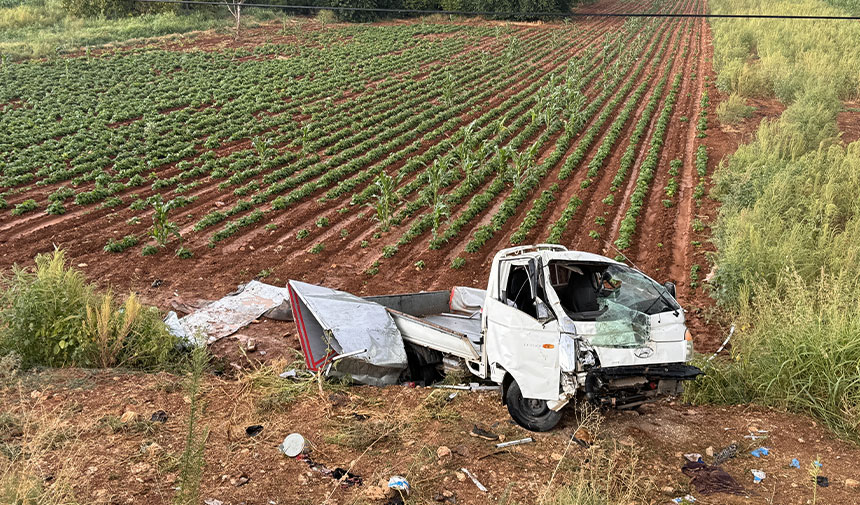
pixel 552 325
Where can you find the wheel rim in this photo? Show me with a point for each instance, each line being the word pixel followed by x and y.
pixel 533 407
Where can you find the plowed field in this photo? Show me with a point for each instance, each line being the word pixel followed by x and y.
pixel 273 150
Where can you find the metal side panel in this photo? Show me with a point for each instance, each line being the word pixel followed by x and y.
pixel 361 331
pixel 428 334
pixel 415 304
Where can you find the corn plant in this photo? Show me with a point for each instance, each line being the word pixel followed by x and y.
pixel 162 228
pixel 263 148
pixel 385 198
pixel 438 176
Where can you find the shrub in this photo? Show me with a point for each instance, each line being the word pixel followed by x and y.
pixel 733 109
pixel 51 316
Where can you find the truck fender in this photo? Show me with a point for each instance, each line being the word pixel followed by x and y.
pixel 506 382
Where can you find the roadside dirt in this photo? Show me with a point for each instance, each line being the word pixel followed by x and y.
pixel 105 460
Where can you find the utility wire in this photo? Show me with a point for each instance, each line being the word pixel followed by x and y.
pixel 517 14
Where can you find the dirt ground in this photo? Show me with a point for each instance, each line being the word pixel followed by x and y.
pixel 106 449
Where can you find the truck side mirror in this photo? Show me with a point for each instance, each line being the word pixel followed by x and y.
pixel 670 287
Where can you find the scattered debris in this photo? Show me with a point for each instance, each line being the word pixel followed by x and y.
pixel 583 435
pixel 709 451
pixel 709 479
pixel 159 417
pixel 480 432
pixel 345 477
pixel 157 282
pixel 187 307
pixel 726 454
pixel 445 497
pixel 251 345
pixel 451 396
pixel 128 416
pixel 212 501
pixel 694 457
pixel 241 480
pixel 472 386
pixel 400 484
pixel 794 463
pixel 725 342
pixel 852 483
pixel 761 451
pixel 293 445
pixel 758 476
pixel 443 452
pixel 822 481
pixel 236 310
pixel 474 479
pixel 684 499
pixel 521 441
pixel 254 430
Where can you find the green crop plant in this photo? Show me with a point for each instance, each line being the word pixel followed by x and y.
pixel 162 228
pixel 438 176
pixel 116 246
pixel 386 198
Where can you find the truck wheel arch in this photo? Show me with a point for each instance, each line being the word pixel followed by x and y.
pixel 506 383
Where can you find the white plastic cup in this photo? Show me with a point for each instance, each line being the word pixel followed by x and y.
pixel 294 445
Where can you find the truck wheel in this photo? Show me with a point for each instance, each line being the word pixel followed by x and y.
pixel 531 414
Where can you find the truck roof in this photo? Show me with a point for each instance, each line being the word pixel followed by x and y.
pixel 555 252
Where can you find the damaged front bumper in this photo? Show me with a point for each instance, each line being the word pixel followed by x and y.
pixel 630 386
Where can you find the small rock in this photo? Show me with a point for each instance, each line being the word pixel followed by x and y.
pixel 709 451
pixel 556 456
pixel 667 490
pixel 443 452
pixel 461 476
pixel 82 265
pixel 251 346
pixel 220 203
pixel 584 435
pixel 376 493
pixel 128 416
pixel 140 467
pixel 852 483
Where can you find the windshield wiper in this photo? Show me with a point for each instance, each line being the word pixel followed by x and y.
pixel 661 296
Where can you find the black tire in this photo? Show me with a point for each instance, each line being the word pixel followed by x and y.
pixel 533 415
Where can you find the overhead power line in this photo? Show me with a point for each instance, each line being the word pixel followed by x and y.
pixel 517 14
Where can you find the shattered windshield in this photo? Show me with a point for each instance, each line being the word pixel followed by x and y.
pixel 618 299
pixel 628 297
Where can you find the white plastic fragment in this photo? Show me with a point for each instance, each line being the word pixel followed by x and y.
pixel 474 479
pixel 758 476
pixel 684 499
pixel 521 441
pixel 399 483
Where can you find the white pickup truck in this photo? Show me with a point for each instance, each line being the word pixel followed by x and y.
pixel 552 324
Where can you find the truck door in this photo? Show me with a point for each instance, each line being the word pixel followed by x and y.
pixel 522 331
